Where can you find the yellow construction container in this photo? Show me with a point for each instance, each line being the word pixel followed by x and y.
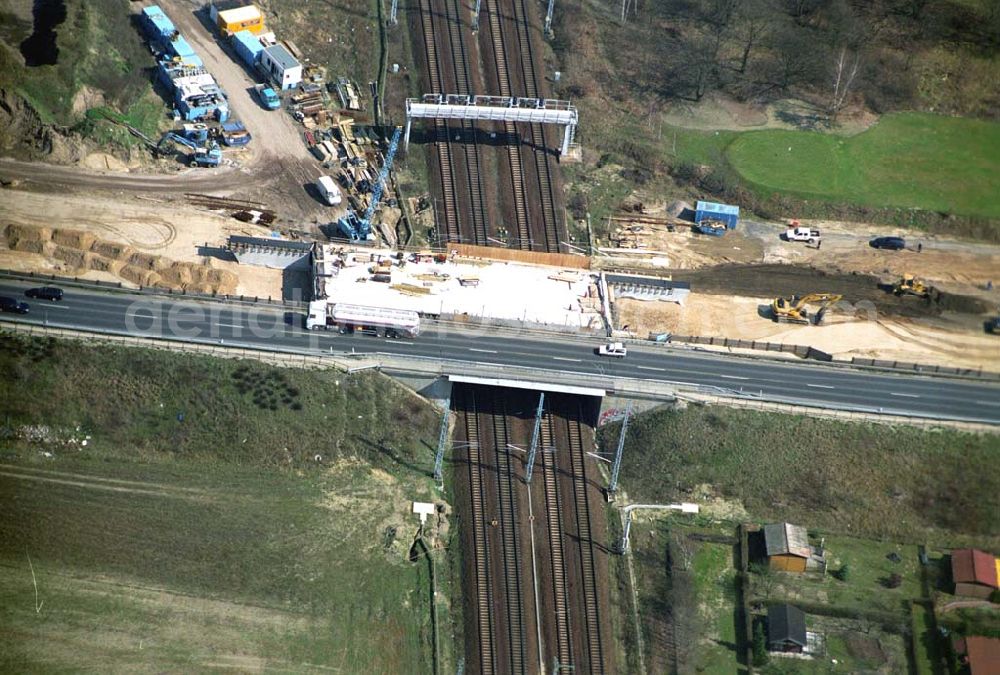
pixel 242 18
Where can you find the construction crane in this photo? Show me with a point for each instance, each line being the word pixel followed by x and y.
pixel 202 155
pixel 910 285
pixel 360 229
pixel 793 309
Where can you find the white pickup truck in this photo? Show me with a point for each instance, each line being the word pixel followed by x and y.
pixel 615 349
pixel 807 234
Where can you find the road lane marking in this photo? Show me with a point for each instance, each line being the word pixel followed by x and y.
pixel 232 325
pixel 483 351
pixel 563 358
pixel 734 377
pixel 44 307
pixel 820 386
pixel 659 370
pixel 892 393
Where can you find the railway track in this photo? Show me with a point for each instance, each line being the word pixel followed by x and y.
pixel 536 132
pixel 594 644
pixel 460 62
pixel 452 230
pixel 481 546
pixel 506 489
pixel 521 216
pixel 554 529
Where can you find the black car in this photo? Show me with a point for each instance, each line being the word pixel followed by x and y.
pixel 891 243
pixel 13 306
pixel 45 293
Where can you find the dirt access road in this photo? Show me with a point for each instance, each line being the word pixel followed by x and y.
pixel 279 158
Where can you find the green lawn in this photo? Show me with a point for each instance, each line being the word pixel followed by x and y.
pixel 196 531
pixel 869 480
pixel 906 160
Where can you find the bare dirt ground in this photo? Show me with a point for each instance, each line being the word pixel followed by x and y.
pixel 717 111
pixel 169 231
pixel 948 340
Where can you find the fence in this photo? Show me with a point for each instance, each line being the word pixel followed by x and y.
pixel 925 369
pixel 515 255
pixel 802 351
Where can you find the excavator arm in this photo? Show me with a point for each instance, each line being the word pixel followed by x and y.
pixel 794 310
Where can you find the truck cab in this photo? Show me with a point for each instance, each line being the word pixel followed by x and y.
pixel 319 316
pixel 268 97
pixel 614 349
pixel 806 234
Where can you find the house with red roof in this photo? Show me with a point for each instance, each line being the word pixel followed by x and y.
pixel 974 572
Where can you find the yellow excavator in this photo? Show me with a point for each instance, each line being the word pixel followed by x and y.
pixel 910 285
pixel 793 309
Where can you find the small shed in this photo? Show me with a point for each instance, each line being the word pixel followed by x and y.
pixel 974 572
pixel 788 549
pixel 234 20
pixel 725 213
pixel 786 629
pixel 281 66
pixel 980 654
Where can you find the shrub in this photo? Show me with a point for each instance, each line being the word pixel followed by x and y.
pixel 760 656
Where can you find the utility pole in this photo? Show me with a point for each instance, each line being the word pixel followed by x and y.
pixel 534 437
pixel 548 19
pixel 442 444
pixel 475 16
pixel 618 453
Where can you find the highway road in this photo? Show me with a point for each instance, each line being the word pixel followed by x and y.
pixel 272 328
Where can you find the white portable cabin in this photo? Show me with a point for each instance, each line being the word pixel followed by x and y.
pixel 281 67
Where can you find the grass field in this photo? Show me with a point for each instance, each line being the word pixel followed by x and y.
pixel 906 160
pixel 196 530
pixel 894 483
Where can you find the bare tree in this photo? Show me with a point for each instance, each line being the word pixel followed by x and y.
pixel 754 24
pixel 845 72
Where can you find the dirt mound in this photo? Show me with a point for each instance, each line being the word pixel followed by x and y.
pixel 19 233
pixel 74 238
pixel 81 250
pixel 139 276
pixel 22 132
pixel 112 250
pixel 73 257
pixel 768 281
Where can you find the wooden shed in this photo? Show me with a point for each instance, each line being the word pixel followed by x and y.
pixel 788 548
pixel 974 572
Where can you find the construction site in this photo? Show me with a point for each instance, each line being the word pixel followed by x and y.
pixel 293 196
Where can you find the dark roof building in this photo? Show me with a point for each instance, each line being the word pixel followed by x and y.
pixel 974 572
pixel 786 628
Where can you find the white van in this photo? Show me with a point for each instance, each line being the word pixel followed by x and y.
pixel 329 190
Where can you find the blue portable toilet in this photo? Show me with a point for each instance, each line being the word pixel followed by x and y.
pixel 725 213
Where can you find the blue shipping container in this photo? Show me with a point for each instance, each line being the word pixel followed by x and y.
pixel 730 215
pixel 156 23
pixel 180 47
pixel 248 47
